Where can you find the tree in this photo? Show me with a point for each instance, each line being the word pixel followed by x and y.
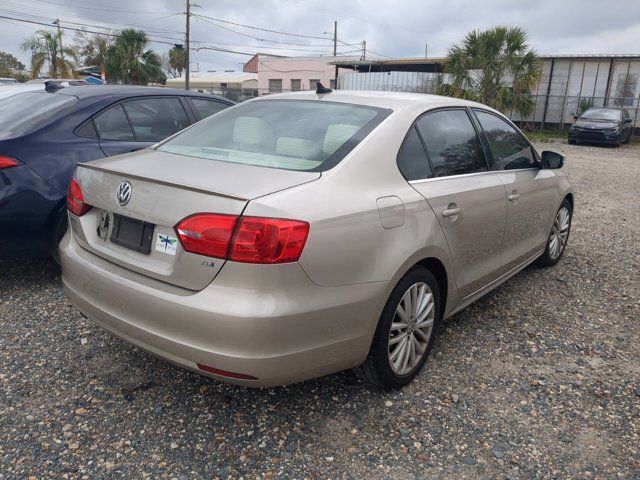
pixel 92 49
pixel 9 65
pixel 46 49
pixel 175 61
pixel 129 60
pixel 495 67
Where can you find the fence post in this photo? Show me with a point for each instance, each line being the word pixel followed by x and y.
pixel 564 98
pixel 546 101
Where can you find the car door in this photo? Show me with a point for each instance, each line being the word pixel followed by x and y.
pixel 468 199
pixel 138 123
pixel 530 189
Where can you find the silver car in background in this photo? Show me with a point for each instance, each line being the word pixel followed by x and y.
pixel 301 234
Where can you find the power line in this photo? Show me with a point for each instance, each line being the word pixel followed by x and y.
pixel 100 9
pixel 262 29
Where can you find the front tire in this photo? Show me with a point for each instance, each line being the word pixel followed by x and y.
pixel 559 236
pixel 405 332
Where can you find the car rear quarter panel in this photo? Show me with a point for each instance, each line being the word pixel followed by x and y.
pixel 347 242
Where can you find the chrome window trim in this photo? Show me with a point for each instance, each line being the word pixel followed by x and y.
pixel 495 172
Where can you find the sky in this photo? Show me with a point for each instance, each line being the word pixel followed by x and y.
pixel 398 28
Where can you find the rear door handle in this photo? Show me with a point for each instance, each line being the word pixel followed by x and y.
pixel 514 196
pixel 451 212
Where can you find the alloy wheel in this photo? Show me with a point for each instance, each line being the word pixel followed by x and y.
pixel 559 233
pixel 411 329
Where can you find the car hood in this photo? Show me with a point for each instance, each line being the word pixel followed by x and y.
pixel 596 124
pixel 212 176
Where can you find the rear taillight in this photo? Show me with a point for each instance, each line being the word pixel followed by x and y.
pixel 268 240
pixel 7 162
pixel 243 239
pixel 75 201
pixel 207 234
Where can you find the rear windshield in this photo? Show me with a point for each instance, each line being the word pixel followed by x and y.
pixel 602 114
pixel 287 134
pixel 20 113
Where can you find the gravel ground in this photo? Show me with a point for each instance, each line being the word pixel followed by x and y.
pixel 539 379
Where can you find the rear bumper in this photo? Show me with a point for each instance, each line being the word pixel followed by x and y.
pixel 269 322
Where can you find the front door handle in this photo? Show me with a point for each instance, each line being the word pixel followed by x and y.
pixel 514 196
pixel 451 212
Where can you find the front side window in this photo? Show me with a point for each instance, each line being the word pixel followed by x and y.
pixel 452 143
pixel 287 134
pixel 412 159
pixel 510 150
pixel 112 124
pixel 154 119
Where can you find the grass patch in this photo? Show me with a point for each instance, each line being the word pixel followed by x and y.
pixel 546 136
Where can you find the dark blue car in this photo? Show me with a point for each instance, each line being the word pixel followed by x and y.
pixel 44 134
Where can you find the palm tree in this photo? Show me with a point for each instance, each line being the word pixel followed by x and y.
pixel 495 67
pixel 46 49
pixel 130 61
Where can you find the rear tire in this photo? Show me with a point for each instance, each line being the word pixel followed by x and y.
pixel 558 237
pixel 403 340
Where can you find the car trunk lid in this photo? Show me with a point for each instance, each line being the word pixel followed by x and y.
pixel 164 189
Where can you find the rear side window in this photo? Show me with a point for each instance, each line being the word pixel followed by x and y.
pixel 510 150
pixel 452 143
pixel 22 112
pixel 412 159
pixel 206 108
pixel 112 124
pixel 154 119
pixel 86 130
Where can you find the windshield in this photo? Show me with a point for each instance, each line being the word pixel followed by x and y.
pixel 609 114
pixel 287 134
pixel 21 112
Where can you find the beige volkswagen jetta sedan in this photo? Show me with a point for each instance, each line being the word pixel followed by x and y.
pixel 297 235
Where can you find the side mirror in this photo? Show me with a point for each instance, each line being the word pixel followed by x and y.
pixel 576 116
pixel 552 160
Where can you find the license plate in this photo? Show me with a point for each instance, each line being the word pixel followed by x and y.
pixel 132 233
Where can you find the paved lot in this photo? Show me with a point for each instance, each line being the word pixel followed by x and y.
pixel 540 379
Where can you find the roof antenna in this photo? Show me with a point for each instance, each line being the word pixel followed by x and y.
pixel 322 89
pixel 52 85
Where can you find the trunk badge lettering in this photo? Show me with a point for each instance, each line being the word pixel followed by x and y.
pixel 123 194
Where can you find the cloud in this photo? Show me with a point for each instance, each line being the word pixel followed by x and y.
pixel 393 28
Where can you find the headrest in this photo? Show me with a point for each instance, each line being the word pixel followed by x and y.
pixel 297 147
pixel 252 130
pixel 336 136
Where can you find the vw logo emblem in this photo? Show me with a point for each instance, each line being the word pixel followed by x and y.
pixel 123 195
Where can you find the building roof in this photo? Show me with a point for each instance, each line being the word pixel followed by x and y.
pixel 214 77
pixel 432 60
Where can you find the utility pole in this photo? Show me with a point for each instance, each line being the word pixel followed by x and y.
pixel 335 50
pixel 186 46
pixel 57 22
pixel 426 46
pixel 364 50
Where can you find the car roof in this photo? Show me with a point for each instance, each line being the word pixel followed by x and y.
pixel 93 91
pixel 390 100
